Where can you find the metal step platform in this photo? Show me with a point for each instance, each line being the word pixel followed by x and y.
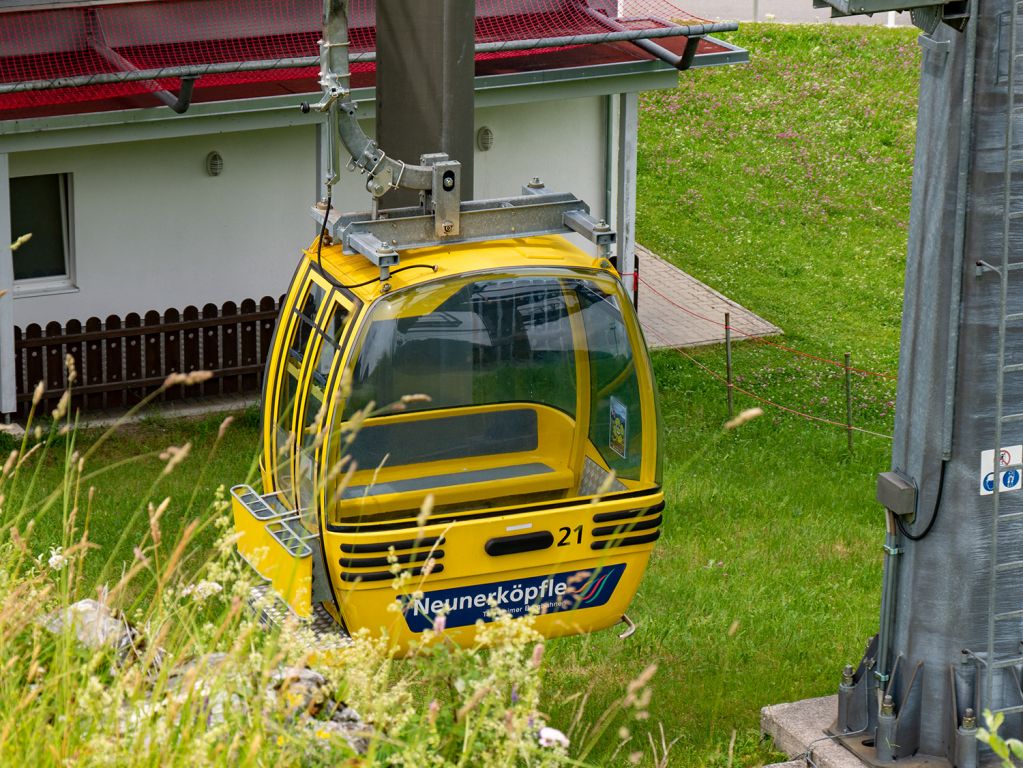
pixel 273 613
pixel 276 542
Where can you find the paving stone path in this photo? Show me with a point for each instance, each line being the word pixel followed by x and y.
pixel 677 310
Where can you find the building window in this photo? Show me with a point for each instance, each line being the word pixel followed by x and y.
pixel 40 205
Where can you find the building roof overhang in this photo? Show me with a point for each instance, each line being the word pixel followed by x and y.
pixel 603 71
pixel 77 72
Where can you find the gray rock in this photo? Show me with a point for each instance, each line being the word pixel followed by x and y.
pixel 345 724
pixel 199 667
pixel 95 626
pixel 303 693
pixel 300 690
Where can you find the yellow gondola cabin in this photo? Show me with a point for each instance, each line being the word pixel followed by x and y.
pixel 506 381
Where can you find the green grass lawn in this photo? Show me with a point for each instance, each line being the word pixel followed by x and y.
pixel 785 185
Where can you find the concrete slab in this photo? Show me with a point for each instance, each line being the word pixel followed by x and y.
pixel 175 409
pixel 14 429
pixel 798 730
pixel 677 310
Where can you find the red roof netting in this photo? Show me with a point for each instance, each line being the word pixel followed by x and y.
pixel 98 39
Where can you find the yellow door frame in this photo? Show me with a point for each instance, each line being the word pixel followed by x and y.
pixel 301 287
pixel 334 300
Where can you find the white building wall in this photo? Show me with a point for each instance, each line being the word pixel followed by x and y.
pixel 151 230
pixel 562 142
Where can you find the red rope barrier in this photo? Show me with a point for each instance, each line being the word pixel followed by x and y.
pixel 762 340
pixel 764 400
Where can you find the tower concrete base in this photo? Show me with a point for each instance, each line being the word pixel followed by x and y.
pixel 798 730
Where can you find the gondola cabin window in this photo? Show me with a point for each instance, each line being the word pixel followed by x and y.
pixel 526 377
pixel 615 405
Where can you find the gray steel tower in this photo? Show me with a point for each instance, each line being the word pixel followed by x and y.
pixel 950 642
pixel 426 84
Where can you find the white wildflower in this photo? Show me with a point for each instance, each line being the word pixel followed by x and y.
pixel 552 737
pixel 57 559
pixel 201 591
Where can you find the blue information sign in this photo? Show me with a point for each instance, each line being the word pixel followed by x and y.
pixel 553 593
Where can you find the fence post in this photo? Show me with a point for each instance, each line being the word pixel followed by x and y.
pixel 848 402
pixel 728 360
pixel 756 9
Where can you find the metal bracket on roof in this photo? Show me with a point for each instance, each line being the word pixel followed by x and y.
pixel 98 42
pixel 681 63
pixel 377 251
pixel 579 221
pixel 445 195
pixel 685 61
pixel 535 212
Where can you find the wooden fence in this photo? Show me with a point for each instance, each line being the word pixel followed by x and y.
pixel 119 362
